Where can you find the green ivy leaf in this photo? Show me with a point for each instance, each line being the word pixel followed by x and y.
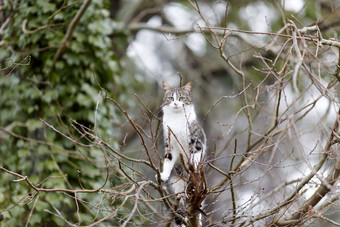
pixel 33 124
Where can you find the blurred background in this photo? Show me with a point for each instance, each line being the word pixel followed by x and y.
pixel 57 57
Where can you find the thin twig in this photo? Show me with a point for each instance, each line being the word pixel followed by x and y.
pixel 70 30
pixel 137 194
pixel 231 184
pixel 32 209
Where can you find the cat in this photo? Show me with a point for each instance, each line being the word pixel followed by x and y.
pixel 184 138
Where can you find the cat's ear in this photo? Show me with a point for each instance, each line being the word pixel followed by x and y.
pixel 187 87
pixel 166 86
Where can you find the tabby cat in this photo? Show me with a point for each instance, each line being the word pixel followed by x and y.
pixel 185 140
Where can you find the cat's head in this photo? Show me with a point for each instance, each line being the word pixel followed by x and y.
pixel 177 98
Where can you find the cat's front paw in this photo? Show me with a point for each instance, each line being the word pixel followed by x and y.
pixel 164 177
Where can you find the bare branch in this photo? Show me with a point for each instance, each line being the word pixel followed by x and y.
pixel 64 44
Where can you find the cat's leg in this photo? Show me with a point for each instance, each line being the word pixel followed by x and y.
pixel 200 215
pixel 196 151
pixel 168 164
pixel 177 222
pixel 178 186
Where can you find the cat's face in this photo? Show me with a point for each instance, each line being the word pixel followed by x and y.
pixel 177 98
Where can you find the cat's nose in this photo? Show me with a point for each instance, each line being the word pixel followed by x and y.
pixel 176 104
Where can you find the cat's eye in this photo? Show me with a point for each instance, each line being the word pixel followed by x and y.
pixel 181 99
pixel 171 98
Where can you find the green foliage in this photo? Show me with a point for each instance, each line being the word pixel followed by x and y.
pixel 56 91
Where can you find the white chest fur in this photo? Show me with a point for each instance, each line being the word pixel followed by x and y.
pixel 178 122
